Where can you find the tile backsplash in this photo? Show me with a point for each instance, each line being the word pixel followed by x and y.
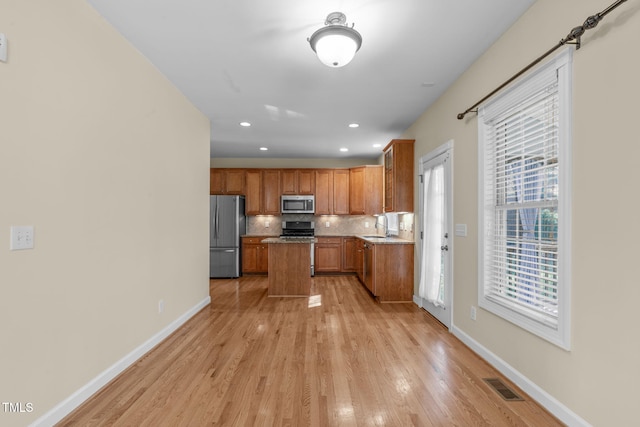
pixel 338 225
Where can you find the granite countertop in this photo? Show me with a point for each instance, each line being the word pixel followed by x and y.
pixel 386 240
pixel 296 240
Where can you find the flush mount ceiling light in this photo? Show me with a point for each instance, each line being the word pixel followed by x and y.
pixel 336 44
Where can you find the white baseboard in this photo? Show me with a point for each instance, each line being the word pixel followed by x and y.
pixel 65 407
pixel 550 403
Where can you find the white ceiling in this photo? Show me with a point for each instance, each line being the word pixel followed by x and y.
pixel 249 60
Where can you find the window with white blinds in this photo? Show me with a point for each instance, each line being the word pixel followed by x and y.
pixel 524 202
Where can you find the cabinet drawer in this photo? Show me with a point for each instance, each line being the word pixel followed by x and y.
pixel 252 240
pixel 331 240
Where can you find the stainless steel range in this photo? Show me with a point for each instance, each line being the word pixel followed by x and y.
pixel 300 230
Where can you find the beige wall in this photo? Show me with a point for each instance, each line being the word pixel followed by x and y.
pixel 109 163
pixel 598 378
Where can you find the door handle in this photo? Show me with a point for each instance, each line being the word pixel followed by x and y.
pixel 229 250
pixel 444 248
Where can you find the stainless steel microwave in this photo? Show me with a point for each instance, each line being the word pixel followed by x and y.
pixel 297 204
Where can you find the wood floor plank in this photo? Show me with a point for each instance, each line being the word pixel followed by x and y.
pixel 337 358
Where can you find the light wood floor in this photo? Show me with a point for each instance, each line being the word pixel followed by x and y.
pixel 336 359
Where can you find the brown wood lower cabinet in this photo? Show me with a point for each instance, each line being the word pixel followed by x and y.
pixel 387 271
pixel 328 255
pixel 255 255
pixel 349 254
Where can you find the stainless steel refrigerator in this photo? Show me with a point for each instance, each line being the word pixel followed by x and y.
pixel 227 223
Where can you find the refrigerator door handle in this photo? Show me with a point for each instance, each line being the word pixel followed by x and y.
pixel 215 231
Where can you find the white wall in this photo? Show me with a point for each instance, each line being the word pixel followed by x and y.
pixel 597 379
pixel 109 163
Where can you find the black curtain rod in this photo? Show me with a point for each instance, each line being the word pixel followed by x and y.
pixel 572 38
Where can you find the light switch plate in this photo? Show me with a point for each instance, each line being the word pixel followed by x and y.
pixel 3 48
pixel 21 237
pixel 461 230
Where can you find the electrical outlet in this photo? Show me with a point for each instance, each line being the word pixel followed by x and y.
pixel 327 224
pixel 267 224
pixel 366 224
pixel 161 306
pixel 473 312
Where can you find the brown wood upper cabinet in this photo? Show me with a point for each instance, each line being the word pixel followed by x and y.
pixel 332 191
pixel 297 181
pixel 365 190
pixel 226 181
pixel 262 192
pixel 398 176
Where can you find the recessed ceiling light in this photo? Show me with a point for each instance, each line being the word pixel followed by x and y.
pixel 245 124
pixel 263 148
pixel 343 149
pixel 354 125
pixel 377 145
pixel 428 84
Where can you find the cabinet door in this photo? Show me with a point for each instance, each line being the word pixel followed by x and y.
pixel 373 184
pixel 216 181
pixel 388 180
pixel 399 177
pixel 349 254
pixel 306 181
pixel 324 191
pixel 253 192
pixel 249 258
pixel 328 257
pixel 234 181
pixel 356 191
pixel 288 181
pixel 271 192
pixel 341 192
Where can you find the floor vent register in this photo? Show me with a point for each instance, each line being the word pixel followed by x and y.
pixel 502 389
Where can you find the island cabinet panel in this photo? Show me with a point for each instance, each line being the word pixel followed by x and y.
pixel 341 192
pixel 255 255
pixel 349 254
pixel 226 181
pixel 297 181
pixel 328 255
pixel 365 190
pixel 398 175
pixel 288 278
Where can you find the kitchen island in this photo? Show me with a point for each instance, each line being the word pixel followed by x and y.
pixel 289 266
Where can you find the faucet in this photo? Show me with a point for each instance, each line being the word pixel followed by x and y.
pixel 384 224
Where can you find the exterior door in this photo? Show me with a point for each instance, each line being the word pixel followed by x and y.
pixel 435 245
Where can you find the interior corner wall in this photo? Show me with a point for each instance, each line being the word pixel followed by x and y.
pixel 597 378
pixel 110 163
